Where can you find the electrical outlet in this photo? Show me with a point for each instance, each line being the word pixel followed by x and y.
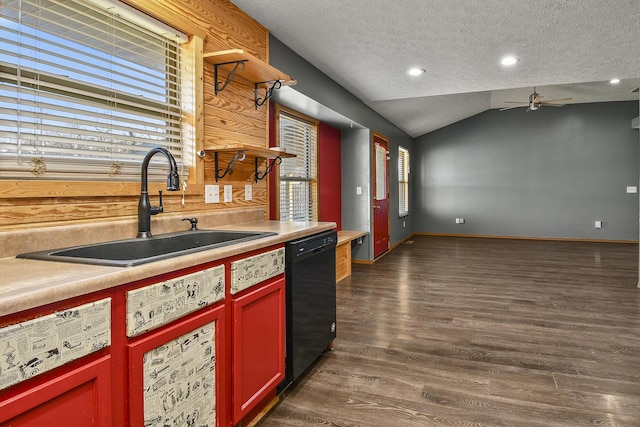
pixel 228 193
pixel 212 194
pixel 404 223
pixel 248 192
pixel 461 220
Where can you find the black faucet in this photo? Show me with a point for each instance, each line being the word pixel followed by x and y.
pixel 145 210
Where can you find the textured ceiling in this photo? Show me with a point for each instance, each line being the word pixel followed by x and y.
pixel 368 45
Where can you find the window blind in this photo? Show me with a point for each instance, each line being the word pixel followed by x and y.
pixel 298 175
pixel 403 181
pixel 84 93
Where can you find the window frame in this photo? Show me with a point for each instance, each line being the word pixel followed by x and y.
pixel 314 181
pixel 404 170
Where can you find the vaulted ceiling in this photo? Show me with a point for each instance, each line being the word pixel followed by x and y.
pixel 566 48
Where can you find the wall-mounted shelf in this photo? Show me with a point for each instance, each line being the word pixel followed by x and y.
pixel 273 157
pixel 239 63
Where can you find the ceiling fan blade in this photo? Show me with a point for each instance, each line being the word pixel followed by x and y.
pixel 515 106
pixel 516 102
pixel 538 99
pixel 557 100
pixel 553 105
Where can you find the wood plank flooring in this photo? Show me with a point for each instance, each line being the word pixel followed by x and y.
pixel 480 332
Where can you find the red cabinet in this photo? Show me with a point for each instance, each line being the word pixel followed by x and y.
pixel 80 397
pixel 177 375
pixel 214 357
pixel 257 345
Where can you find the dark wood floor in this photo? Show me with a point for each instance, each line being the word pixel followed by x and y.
pixel 481 332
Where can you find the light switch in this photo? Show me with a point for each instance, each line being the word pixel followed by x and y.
pixel 359 191
pixel 248 192
pixel 632 189
pixel 228 193
pixel 598 224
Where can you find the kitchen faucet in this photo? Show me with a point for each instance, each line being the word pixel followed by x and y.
pixel 145 210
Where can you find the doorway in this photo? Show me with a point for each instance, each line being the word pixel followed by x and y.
pixel 380 194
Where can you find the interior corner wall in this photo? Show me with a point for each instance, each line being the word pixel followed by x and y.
pixel 319 87
pixel 356 208
pixel 329 175
pixel 548 173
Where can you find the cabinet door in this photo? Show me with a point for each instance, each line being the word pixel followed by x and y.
pixel 258 345
pixel 80 397
pixel 177 374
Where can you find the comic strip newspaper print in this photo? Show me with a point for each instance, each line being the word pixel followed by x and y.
pixel 158 304
pixel 39 345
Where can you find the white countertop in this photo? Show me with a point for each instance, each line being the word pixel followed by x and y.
pixel 27 283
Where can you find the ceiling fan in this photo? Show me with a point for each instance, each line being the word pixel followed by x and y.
pixel 535 102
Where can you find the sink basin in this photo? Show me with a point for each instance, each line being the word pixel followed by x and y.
pixel 125 253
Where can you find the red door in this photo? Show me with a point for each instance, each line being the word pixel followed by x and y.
pixel 380 195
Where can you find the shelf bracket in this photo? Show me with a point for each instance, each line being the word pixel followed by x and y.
pixel 262 175
pixel 275 84
pixel 240 155
pixel 220 86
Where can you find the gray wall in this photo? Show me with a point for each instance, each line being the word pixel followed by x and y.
pixel 547 173
pixel 355 160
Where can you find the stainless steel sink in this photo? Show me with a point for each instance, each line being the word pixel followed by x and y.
pixel 125 253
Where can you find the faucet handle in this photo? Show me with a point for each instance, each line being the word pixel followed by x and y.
pixel 155 210
pixel 193 221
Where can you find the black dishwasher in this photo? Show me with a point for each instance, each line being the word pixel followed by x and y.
pixel 311 301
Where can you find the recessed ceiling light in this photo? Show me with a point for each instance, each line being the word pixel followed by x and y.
pixel 509 60
pixel 614 81
pixel 416 71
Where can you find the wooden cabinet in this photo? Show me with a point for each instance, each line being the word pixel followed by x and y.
pixel 257 345
pixel 79 397
pixel 177 374
pixel 55 364
pixel 203 346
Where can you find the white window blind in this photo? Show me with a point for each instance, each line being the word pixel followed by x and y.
pixel 84 92
pixel 403 181
pixel 298 176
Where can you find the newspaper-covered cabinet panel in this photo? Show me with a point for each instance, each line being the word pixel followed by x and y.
pixel 155 305
pixel 252 270
pixel 179 381
pixel 39 345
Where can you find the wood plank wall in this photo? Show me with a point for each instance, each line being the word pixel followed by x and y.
pixel 227 118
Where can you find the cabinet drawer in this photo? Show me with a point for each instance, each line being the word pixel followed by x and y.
pixel 155 305
pixel 39 345
pixel 252 270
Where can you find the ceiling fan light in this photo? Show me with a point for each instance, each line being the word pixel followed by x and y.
pixel 614 81
pixel 416 71
pixel 509 60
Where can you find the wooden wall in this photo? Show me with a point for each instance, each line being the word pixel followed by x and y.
pixel 228 118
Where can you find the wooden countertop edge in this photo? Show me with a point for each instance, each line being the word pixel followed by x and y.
pixel 28 284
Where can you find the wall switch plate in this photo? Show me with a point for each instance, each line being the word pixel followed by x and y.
pixel 461 220
pixel 598 223
pixel 358 191
pixel 212 194
pixel 228 193
pixel 632 189
pixel 248 192
pixel 457 220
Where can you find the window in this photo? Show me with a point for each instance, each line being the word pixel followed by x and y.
pixel 298 175
pixel 403 181
pixel 84 91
